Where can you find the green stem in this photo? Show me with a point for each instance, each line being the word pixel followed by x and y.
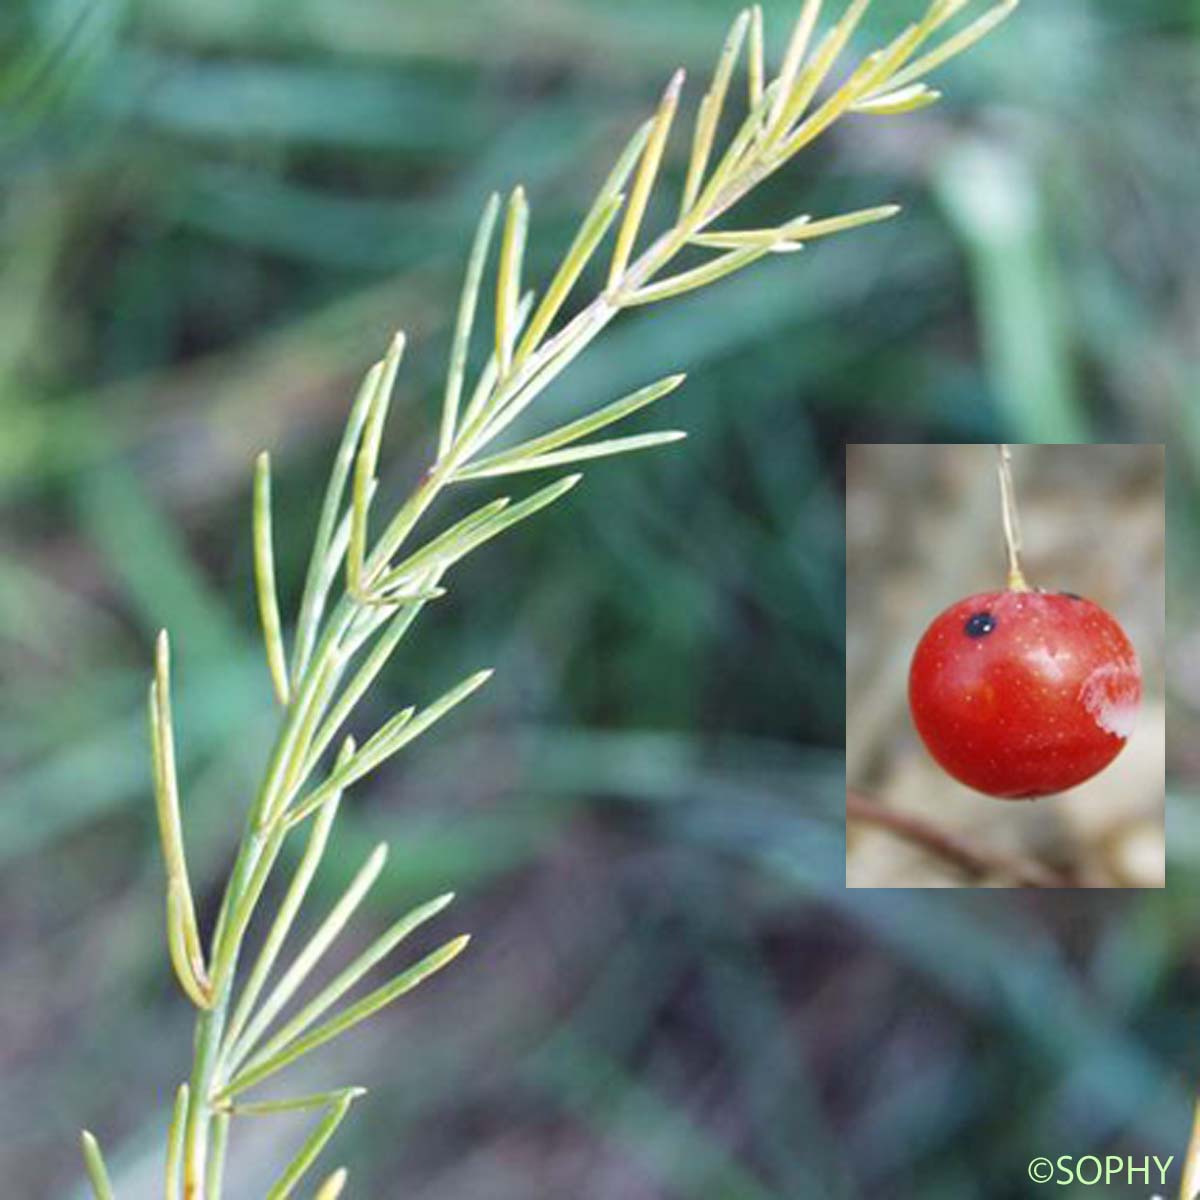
pixel 257 850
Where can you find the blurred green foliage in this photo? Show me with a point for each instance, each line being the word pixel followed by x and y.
pixel 213 214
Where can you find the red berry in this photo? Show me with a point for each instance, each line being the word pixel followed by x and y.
pixel 1020 694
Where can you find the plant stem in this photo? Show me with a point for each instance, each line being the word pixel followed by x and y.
pixel 519 370
pixel 284 769
pixel 962 853
pixel 1012 523
pixel 1189 1184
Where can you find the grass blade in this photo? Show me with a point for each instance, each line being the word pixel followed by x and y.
pixel 644 180
pixel 508 278
pixel 97 1172
pixel 311 954
pixel 317 583
pixel 590 450
pixel 264 578
pixel 465 322
pixel 256 1072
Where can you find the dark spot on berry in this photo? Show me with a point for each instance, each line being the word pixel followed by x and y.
pixel 979 624
pixel 1071 595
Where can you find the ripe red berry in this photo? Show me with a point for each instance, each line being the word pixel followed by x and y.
pixel 1021 693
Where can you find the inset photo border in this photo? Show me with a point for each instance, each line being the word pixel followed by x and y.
pixel 1005 632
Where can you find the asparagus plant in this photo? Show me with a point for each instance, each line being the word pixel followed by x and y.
pixel 368 581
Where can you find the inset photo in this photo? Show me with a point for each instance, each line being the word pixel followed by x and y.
pixel 1005 712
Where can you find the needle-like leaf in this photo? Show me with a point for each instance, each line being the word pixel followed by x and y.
pixel 402 729
pixel 574 454
pixel 332 1188
pixel 345 980
pixel 443 548
pixel 802 229
pixel 270 1108
pixel 311 954
pixel 289 907
pixel 264 577
pixel 319 579
pixel 793 59
pixel 955 45
pixel 698 277
pixel 451 550
pixel 365 466
pixel 902 100
pixel 508 279
pixel 175 1144
pixel 257 1071
pixel 183 938
pixel 755 75
pixel 180 948
pixel 380 653
pixel 97 1172
pixel 875 69
pixel 818 67
pixel 489 377
pixel 313 1145
pixel 709 114
pixel 465 322
pixel 644 180
pixel 214 1176
pixel 941 11
pixel 574 430
pixel 590 234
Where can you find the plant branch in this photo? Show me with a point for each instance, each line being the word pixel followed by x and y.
pixel 951 847
pixel 390 581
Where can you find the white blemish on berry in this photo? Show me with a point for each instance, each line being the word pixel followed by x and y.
pixel 1110 694
pixel 1046 662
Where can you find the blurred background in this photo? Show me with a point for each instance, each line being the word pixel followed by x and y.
pixel 214 213
pixel 923 530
